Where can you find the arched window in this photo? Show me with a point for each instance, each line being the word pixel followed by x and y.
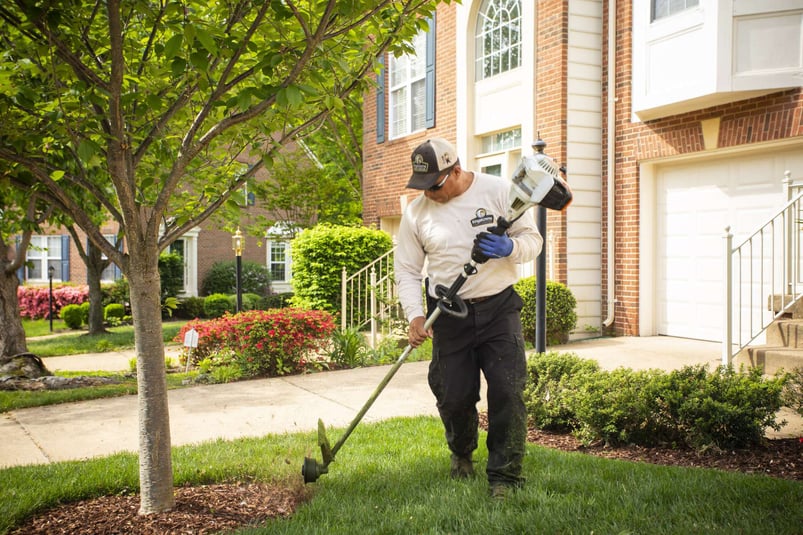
pixel 498 37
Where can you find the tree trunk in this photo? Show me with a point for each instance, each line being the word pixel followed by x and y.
pixel 155 464
pixel 12 334
pixel 95 264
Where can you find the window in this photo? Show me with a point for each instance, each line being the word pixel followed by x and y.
pixel 408 90
pixel 665 8
pixel 43 253
pixel 111 272
pixel 277 261
pixel 498 37
pixel 510 139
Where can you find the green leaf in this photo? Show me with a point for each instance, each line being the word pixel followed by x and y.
pixel 207 40
pixel 199 60
pixel 173 46
pixel 87 149
pixel 178 66
pixel 57 175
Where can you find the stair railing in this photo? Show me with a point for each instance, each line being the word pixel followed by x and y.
pixel 369 297
pixel 762 274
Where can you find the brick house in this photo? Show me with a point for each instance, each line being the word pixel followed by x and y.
pixel 675 120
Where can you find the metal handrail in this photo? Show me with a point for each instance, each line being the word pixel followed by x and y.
pixel 368 296
pixel 762 274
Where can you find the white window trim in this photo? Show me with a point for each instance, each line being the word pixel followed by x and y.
pixel 406 86
pixel 481 54
pixel 40 244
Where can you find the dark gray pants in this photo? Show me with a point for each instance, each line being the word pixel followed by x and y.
pixel 488 340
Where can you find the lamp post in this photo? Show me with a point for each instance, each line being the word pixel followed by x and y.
pixel 540 271
pixel 237 245
pixel 50 271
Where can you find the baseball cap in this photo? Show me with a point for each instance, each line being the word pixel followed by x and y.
pixel 430 159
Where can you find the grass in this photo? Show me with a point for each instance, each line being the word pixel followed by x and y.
pixel 41 327
pixel 75 343
pixel 391 477
pixel 72 343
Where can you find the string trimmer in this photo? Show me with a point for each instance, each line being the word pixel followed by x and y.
pixel 536 181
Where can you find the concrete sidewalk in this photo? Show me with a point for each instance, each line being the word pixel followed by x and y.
pixel 255 408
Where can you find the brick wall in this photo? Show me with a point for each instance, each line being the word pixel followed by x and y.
pixel 386 166
pixel 551 75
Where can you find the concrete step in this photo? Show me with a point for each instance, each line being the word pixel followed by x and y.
pixel 770 358
pixel 786 333
pixel 776 302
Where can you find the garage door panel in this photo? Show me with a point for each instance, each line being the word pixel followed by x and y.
pixel 694 202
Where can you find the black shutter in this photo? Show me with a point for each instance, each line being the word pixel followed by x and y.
pixel 380 102
pixel 429 113
pixel 65 258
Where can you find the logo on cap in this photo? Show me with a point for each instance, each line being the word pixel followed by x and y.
pixel 419 165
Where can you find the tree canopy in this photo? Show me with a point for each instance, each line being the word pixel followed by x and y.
pixel 147 107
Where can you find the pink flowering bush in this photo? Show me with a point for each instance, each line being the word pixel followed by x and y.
pixel 266 343
pixel 33 300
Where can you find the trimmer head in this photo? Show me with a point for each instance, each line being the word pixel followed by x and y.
pixel 312 469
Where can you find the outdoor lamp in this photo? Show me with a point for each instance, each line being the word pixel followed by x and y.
pixel 237 245
pixel 237 242
pixel 50 271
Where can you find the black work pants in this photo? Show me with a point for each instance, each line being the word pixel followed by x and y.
pixel 488 340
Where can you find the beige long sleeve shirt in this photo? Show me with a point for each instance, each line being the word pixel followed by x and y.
pixel 435 241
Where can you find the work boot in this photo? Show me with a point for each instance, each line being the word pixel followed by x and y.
pixel 462 467
pixel 500 491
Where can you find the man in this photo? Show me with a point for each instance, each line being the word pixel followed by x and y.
pixel 439 230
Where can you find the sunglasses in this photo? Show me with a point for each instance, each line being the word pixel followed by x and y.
pixel 436 187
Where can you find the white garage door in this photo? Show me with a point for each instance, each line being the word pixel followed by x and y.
pixel 695 201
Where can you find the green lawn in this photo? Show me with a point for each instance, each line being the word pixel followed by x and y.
pixel 74 343
pixel 391 477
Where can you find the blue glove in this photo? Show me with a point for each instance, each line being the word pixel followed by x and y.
pixel 493 245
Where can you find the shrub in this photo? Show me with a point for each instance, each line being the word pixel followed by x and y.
pixel 216 305
pixel 72 316
pixel 117 292
pixel 561 317
pixel 114 312
pixel 171 274
pixel 550 378
pixel 321 253
pixel 691 406
pixel 250 301
pixel 611 406
pixel 190 308
pixel 281 300
pixel 793 392
pixel 264 342
pixel 84 307
pixel 34 301
pixel 724 408
pixel 222 278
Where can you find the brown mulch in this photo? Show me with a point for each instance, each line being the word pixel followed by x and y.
pixel 215 508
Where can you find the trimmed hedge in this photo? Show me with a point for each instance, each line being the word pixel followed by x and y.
pixel 692 406
pixel 561 317
pixel 321 253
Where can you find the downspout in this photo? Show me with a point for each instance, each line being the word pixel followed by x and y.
pixel 611 139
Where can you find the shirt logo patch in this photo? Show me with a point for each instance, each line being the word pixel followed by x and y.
pixel 481 217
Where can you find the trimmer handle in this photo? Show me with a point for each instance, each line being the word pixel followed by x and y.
pixel 452 305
